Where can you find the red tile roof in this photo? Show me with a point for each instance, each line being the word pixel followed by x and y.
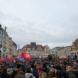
pixel 29 46
pixel 43 47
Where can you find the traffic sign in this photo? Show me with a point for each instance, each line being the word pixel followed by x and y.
pixel 4 49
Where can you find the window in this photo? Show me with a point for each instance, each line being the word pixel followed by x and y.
pixel 0 31
pixel 0 35
pixel 0 54
pixel 33 48
pixel 0 40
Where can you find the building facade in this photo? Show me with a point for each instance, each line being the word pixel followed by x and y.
pixel 63 52
pixel 74 47
pixel 14 49
pixel 10 47
pixel 47 51
pixel 6 43
pixel 1 38
pixel 55 50
pixel 36 50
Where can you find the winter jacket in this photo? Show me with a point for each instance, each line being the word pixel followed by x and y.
pixel 45 69
pixel 5 75
pixel 15 72
pixel 75 73
pixel 35 73
pixel 29 75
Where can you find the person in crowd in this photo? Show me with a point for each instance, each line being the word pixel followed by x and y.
pixel 40 70
pixel 53 57
pixel 9 71
pixel 72 76
pixel 16 70
pixel 5 74
pixel 75 64
pixel 20 72
pixel 52 73
pixel 75 56
pixel 43 75
pixel 45 68
pixel 23 67
pixel 69 69
pixel 13 67
pixel 59 74
pixel 35 72
pixel 19 76
pixel 0 72
pixel 75 71
pixel 28 73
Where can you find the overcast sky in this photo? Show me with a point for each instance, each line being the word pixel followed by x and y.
pixel 52 22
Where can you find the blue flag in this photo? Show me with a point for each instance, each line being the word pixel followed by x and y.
pixel 22 59
pixel 71 57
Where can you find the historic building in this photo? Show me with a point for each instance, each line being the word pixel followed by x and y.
pixel 55 50
pixel 74 47
pixel 10 47
pixel 14 49
pixel 7 46
pixel 61 51
pixel 4 42
pixel 36 50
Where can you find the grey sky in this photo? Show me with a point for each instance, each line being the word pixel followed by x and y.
pixel 52 22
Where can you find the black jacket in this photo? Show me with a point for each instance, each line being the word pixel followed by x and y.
pixel 5 75
pixel 75 73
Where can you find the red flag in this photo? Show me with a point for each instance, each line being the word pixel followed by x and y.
pixel 11 58
pixel 22 55
pixel 26 56
pixel 1 60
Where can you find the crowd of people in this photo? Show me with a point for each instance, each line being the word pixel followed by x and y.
pixel 40 68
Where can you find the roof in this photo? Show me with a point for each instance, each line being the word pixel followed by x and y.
pixel 76 42
pixel 43 47
pixel 56 48
pixel 29 46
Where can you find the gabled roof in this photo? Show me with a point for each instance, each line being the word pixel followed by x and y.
pixel 43 47
pixel 37 46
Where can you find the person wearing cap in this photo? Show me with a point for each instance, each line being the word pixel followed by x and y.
pixel 40 70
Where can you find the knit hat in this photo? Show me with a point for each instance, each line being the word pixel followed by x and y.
pixel 40 69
